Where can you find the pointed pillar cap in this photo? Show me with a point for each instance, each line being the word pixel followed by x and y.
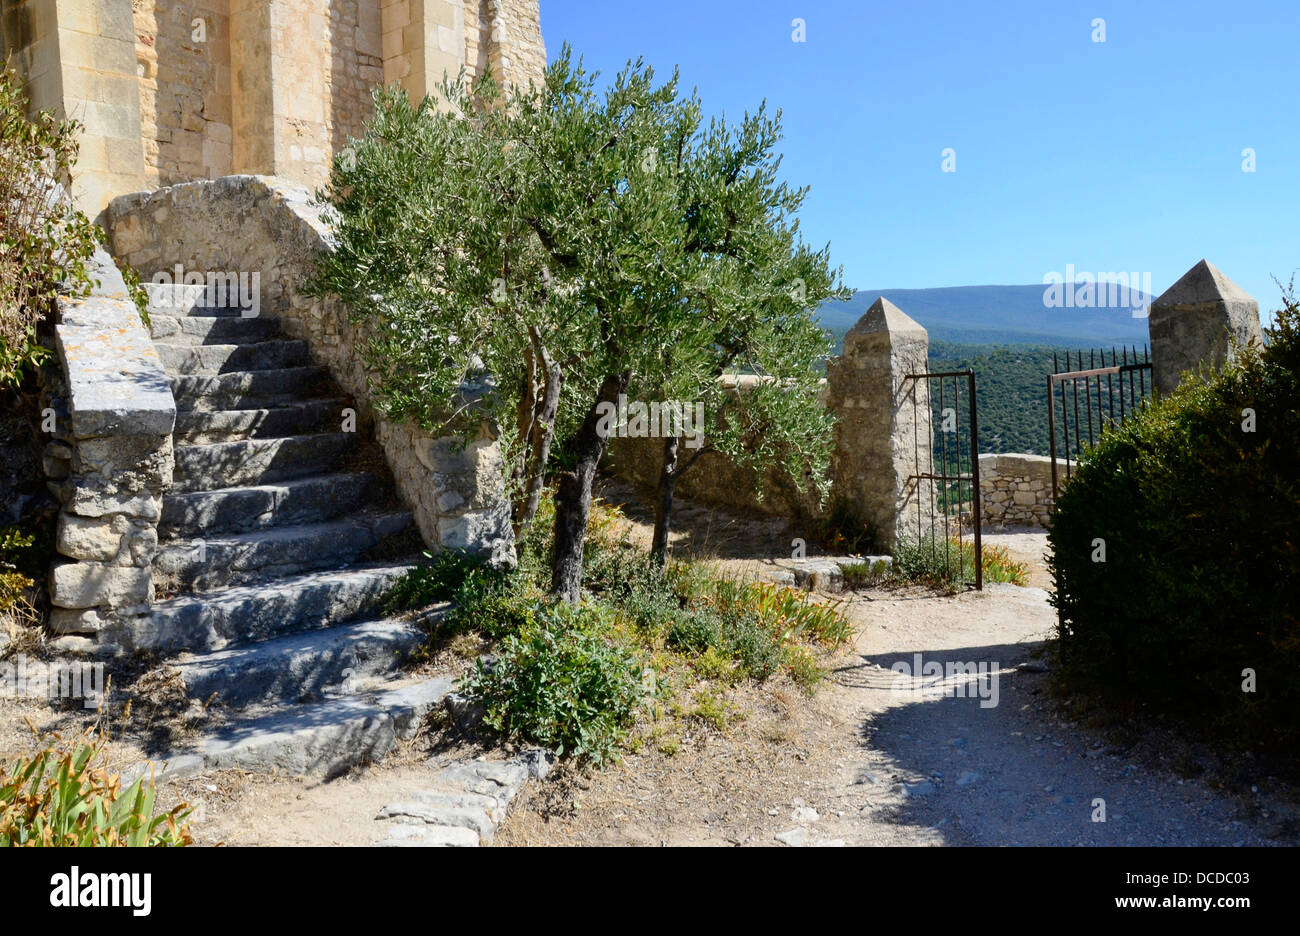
pixel 1203 283
pixel 884 316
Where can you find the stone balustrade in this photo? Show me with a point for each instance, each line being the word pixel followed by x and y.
pixel 109 462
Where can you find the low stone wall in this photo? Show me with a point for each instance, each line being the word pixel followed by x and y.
pixel 269 227
pixel 110 459
pixel 714 478
pixel 1015 490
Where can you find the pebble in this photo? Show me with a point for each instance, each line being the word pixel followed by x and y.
pixel 921 788
pixel 795 838
pixel 805 814
pixel 968 777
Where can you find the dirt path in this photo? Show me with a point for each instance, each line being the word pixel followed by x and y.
pixel 875 759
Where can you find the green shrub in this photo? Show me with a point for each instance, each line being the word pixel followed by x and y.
pixel 45 242
pixel 561 683
pixel 951 565
pixel 1200 525
pixel 65 796
pixel 491 600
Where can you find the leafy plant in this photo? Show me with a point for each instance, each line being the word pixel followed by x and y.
pixel 66 796
pixel 131 276
pixel 561 683
pixel 46 243
pixel 520 256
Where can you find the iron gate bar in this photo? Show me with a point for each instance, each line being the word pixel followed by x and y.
pixel 1134 391
pixel 973 476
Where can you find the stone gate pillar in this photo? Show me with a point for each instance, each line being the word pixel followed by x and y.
pixel 883 432
pixel 1192 321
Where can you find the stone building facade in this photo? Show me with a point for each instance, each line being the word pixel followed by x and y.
pixel 172 92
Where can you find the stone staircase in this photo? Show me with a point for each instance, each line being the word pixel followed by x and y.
pixel 278 540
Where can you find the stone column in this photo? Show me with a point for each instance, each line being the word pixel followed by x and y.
pixel 1192 321
pixel 78 60
pixel 422 41
pixel 883 433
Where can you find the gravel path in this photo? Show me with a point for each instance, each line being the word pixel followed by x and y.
pixel 959 772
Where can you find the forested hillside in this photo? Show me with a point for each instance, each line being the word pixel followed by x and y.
pixel 1011 389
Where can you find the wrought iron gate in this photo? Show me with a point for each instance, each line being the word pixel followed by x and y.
pixel 1126 383
pixel 935 510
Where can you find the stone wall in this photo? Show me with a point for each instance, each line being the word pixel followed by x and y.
pixel 77 59
pixel 172 92
pixel 882 426
pixel 716 479
pixel 183 63
pixel 1015 490
pixel 109 462
pixel 268 227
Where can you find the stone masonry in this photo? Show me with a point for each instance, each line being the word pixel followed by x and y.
pixel 1015 490
pixel 110 461
pixel 883 430
pixel 172 92
pixel 882 423
pixel 249 226
pixel 1195 322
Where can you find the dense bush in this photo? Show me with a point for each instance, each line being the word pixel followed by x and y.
pixel 45 242
pixel 562 683
pixel 65 796
pixel 1199 519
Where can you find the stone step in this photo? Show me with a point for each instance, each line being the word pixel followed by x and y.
pixel 241 509
pixel 197 300
pixel 257 461
pixel 301 667
pixel 213 562
pixel 208 359
pixel 247 613
pixel 264 389
pixel 321 738
pixel 196 330
pixel 201 427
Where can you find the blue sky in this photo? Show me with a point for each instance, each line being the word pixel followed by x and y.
pixel 1123 155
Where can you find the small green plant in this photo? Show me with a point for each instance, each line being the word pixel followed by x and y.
pixel 66 796
pixel 864 574
pixel 950 564
pixel 493 601
pixel 131 276
pixel 714 711
pixel 804 668
pixel 561 683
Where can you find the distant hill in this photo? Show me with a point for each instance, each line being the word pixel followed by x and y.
pixel 994 315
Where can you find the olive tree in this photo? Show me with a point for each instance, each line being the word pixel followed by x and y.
pixel 555 246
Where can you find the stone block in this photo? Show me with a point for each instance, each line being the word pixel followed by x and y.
pixel 91 585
